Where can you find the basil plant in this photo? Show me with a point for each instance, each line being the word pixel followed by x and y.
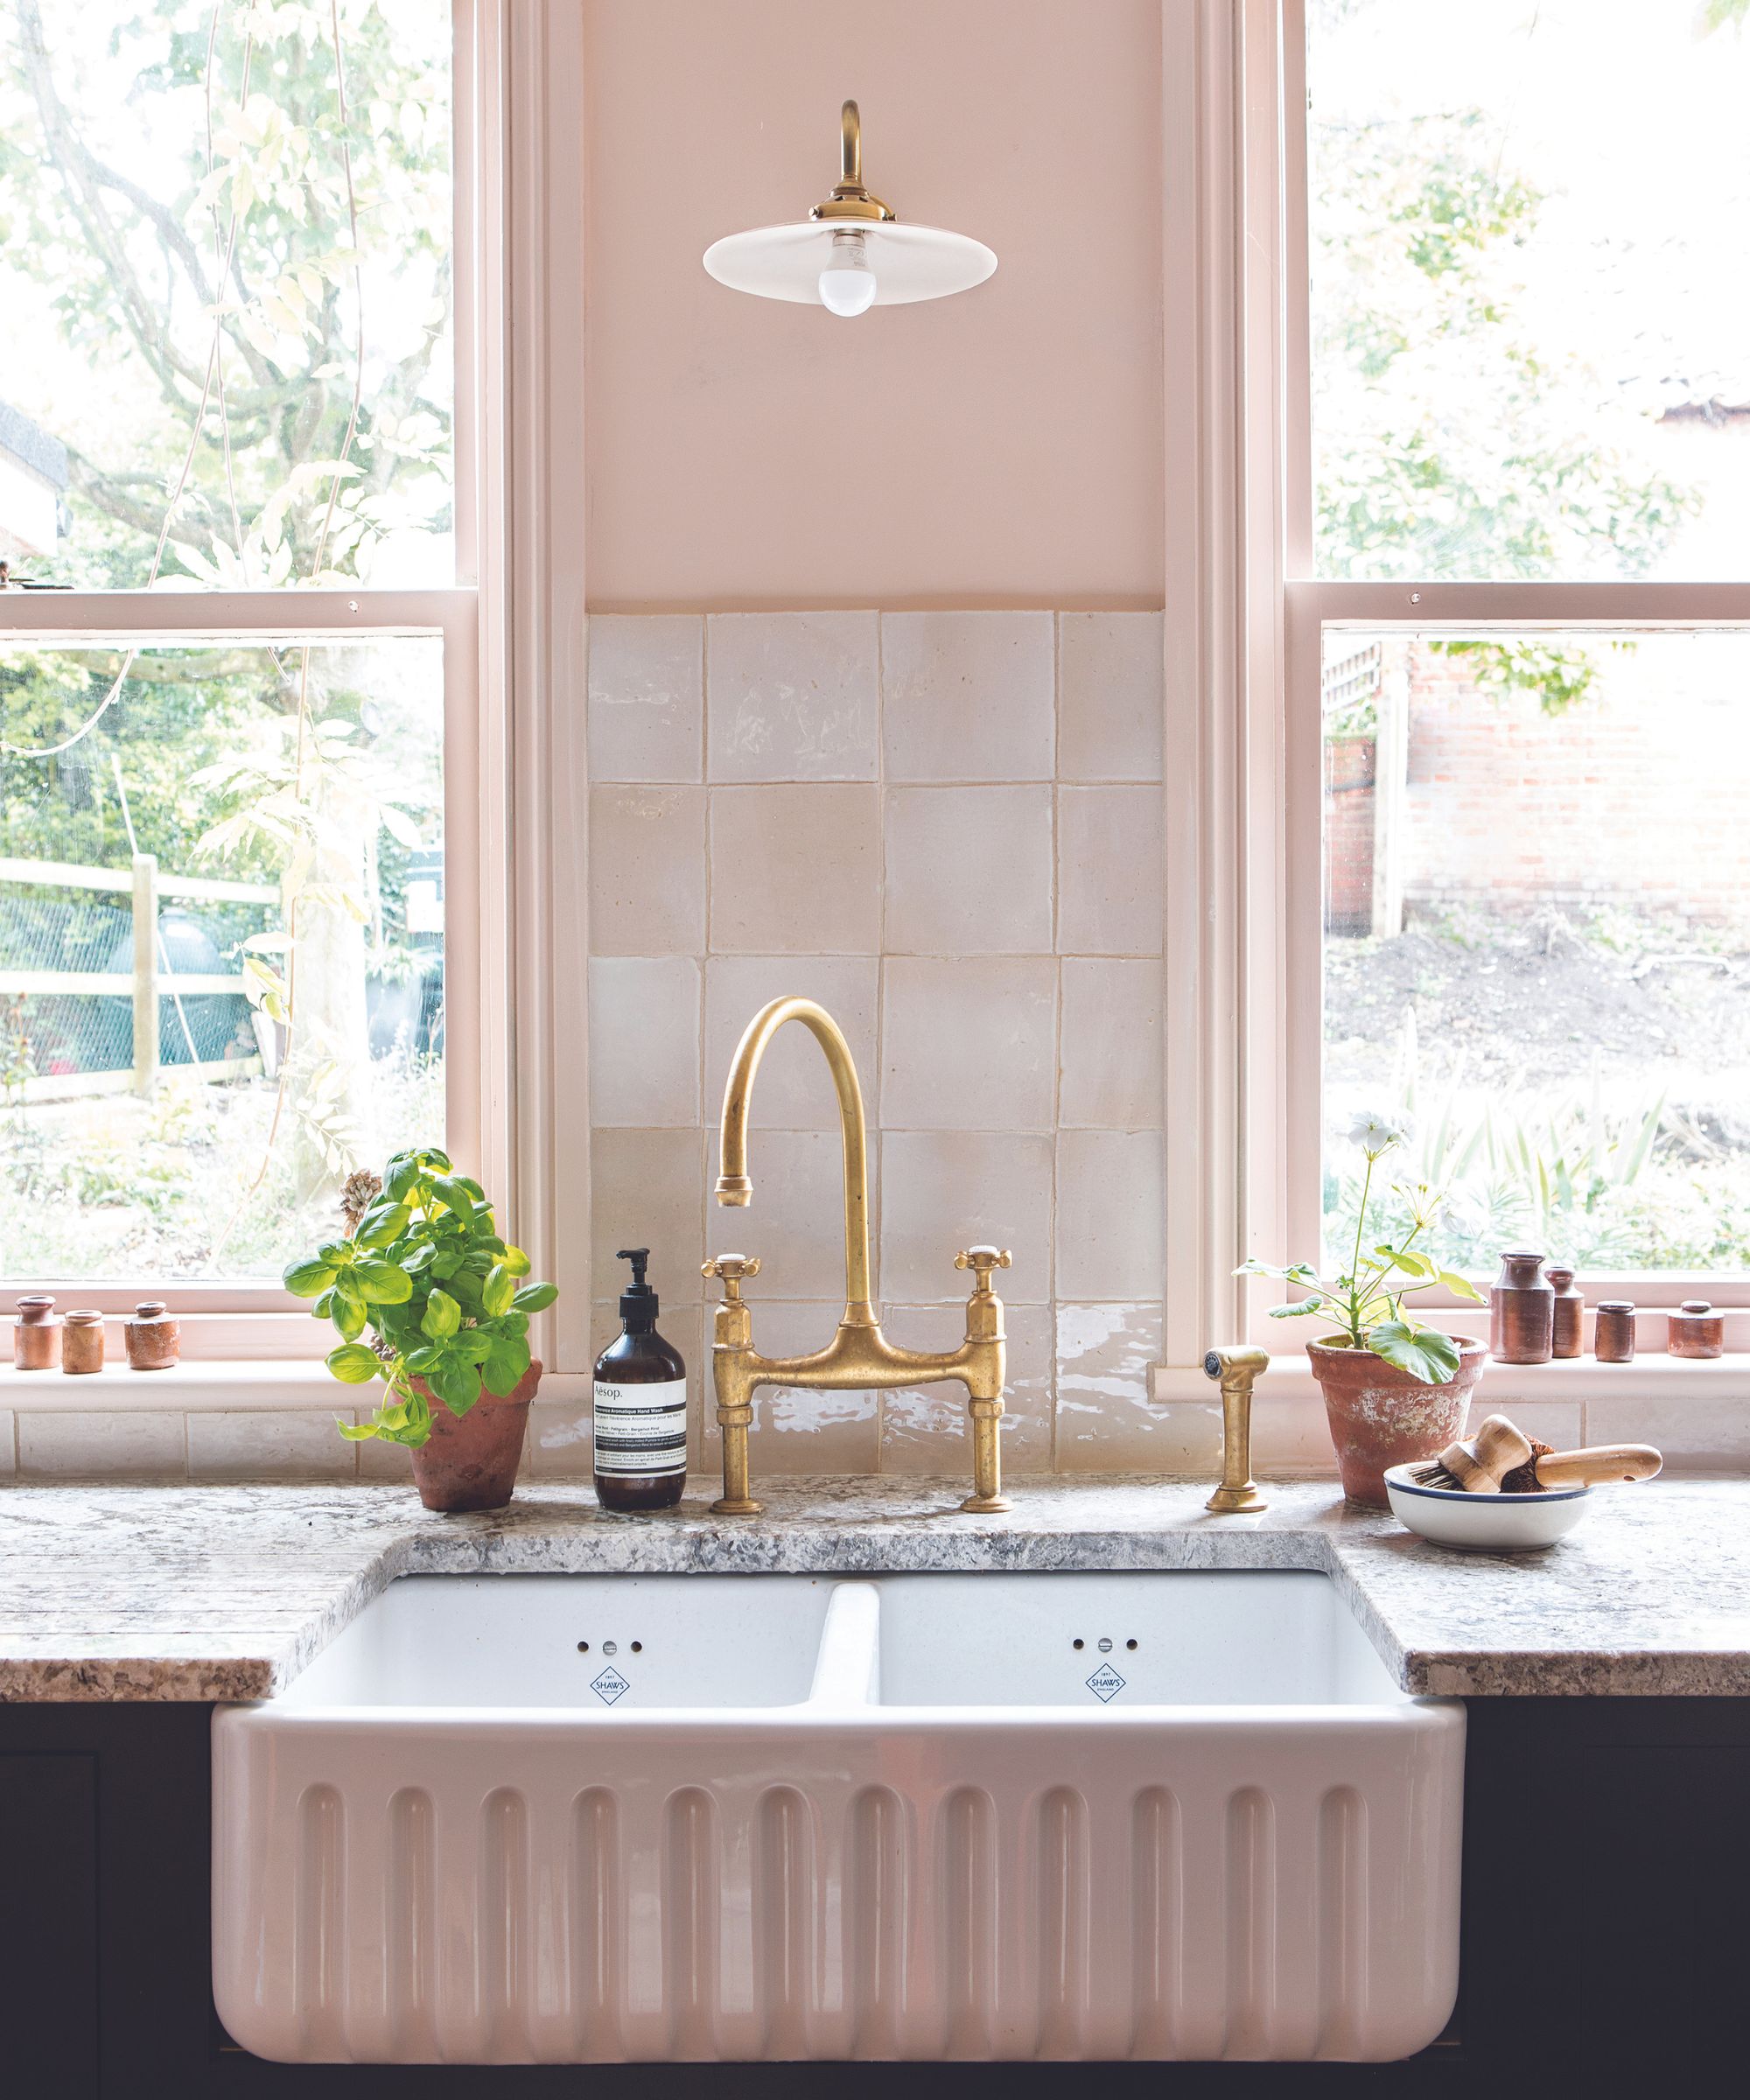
pixel 424 1269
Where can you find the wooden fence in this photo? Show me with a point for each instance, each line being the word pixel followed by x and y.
pixel 147 982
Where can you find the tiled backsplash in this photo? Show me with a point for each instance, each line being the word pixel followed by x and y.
pixel 946 827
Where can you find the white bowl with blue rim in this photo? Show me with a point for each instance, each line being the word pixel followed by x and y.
pixel 1483 1524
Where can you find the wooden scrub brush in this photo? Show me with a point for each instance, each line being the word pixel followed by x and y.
pixel 1501 1459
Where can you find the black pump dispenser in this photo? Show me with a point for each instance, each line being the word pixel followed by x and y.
pixel 640 1426
pixel 639 1304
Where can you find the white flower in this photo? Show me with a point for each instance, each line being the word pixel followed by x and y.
pixel 1375 1133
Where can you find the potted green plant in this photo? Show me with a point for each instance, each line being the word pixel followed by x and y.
pixel 422 1270
pixel 1395 1390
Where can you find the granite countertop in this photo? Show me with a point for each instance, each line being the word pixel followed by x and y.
pixel 198 1593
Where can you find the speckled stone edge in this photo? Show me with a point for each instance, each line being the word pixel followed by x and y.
pixel 210 1593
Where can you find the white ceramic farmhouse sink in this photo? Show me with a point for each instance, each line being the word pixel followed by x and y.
pixel 775 1817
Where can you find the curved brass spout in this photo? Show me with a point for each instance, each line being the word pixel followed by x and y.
pixel 859 1356
pixel 732 1184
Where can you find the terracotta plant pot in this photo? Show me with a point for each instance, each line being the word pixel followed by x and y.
pixel 470 1461
pixel 1382 1417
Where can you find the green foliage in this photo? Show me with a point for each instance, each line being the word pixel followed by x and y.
pixel 1450 444
pixel 427 1273
pixel 287 235
pixel 1365 1302
pixel 1560 677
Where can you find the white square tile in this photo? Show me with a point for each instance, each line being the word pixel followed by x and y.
pixel 1110 704
pixel 1110 886
pixel 1106 1422
pixel 646 696
pixel 969 1044
pixel 795 870
pixel 794 1082
pixel 968 696
pixel 646 870
pixel 300 1443
pixel 925 1428
pixel 382 1463
pixel 1111 1043
pixel 795 1222
pixel 792 695
pixel 969 870
pixel 794 1090
pixel 136 1445
pixel 1702 1434
pixel 647 1189
pixel 644 1040
pixel 944 1190
pixel 1111 1215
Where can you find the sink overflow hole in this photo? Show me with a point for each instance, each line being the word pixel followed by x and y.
pixel 583 1648
pixel 637 1647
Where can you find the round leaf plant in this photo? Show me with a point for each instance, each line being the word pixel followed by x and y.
pixel 424 1271
pixel 1366 1301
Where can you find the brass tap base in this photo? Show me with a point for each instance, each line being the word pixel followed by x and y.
pixel 1235 1501
pixel 986 1505
pixel 740 1505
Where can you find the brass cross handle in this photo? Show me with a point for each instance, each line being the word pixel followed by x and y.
pixel 981 1261
pixel 732 1268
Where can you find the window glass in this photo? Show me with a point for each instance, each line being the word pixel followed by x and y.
pixel 225 270
pixel 1530 316
pixel 1537 938
pixel 246 847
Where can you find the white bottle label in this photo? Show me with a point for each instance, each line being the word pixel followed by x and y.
pixel 641 1430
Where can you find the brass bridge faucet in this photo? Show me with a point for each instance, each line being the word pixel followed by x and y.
pixel 860 1355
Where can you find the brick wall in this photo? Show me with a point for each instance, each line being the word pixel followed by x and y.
pixel 1636 796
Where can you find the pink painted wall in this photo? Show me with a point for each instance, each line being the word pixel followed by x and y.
pixel 1000 448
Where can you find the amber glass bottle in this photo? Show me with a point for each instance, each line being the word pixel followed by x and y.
pixel 640 1406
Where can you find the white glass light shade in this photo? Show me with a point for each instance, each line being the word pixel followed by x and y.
pixel 909 263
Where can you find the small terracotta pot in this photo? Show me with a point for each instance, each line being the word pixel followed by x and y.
pixel 1382 1417
pixel 470 1461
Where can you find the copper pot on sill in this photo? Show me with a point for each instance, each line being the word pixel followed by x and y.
pixel 1695 1329
pixel 154 1339
pixel 36 1333
pixel 81 1343
pixel 1521 1315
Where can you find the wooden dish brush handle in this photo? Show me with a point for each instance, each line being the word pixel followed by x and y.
pixel 1598 1464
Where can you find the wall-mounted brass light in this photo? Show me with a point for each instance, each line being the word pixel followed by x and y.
pixel 850 253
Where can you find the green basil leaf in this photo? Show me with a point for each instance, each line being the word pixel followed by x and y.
pixel 383 1283
pixel 353 1363
pixel 337 1254
pixel 348 1316
pixel 424 1358
pixel 443 1316
pixel 324 1305
pixel 453 1196
pixel 381 1227
pixel 500 1290
pixel 401 1178
pixel 536 1298
pixel 506 1362
pixel 516 1261
pixel 309 1279
pixel 458 1385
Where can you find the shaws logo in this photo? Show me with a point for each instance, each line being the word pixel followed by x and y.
pixel 1105 1683
pixel 609 1686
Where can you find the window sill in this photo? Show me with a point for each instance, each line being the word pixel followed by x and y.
pixel 1652 1376
pixel 213 1387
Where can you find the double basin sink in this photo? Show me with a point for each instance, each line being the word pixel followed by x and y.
pixel 579 1818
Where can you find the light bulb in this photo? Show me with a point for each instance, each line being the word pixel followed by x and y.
pixel 847 284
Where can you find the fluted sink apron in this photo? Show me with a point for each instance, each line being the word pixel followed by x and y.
pixel 607 1818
